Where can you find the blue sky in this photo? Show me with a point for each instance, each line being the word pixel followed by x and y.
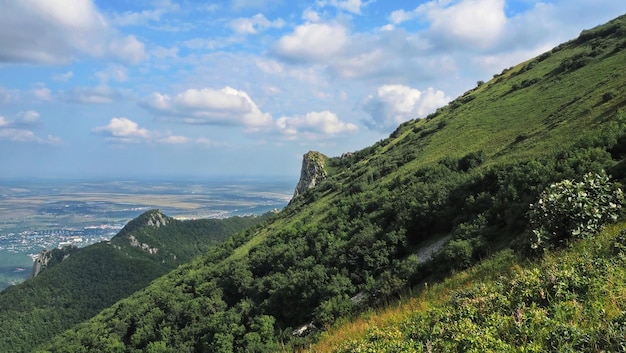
pixel 168 88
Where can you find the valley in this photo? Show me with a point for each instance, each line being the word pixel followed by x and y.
pixel 45 214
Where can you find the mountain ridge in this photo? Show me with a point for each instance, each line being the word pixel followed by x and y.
pixel 469 171
pixel 73 284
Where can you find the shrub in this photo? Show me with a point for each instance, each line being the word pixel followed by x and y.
pixel 607 96
pixel 574 209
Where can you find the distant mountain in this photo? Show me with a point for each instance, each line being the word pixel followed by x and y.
pixel 437 196
pixel 72 284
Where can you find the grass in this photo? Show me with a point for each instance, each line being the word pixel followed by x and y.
pixel 582 287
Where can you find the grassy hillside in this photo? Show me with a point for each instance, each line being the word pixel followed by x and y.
pixel 90 279
pixel 572 300
pixel 464 176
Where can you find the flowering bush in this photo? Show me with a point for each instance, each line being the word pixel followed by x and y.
pixel 574 209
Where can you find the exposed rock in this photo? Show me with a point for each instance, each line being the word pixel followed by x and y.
pixel 157 219
pixel 143 246
pixel 312 173
pixel 49 258
pixel 305 330
pixel 426 253
pixel 41 262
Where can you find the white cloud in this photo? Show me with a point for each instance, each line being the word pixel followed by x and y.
pixel 466 23
pixel 165 53
pixel 128 49
pixel 313 126
pixel 392 105
pixel 112 72
pixel 23 135
pixel 130 18
pixel 226 106
pixel 310 15
pixel 64 77
pixel 7 96
pixel 27 118
pixel 124 130
pixel 42 31
pixel 269 66
pixel 43 93
pixel 312 42
pixel 91 95
pixel 174 140
pixel 353 6
pixel 253 4
pixel 254 24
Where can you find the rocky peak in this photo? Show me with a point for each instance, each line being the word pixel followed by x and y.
pixel 156 219
pixel 153 218
pixel 312 173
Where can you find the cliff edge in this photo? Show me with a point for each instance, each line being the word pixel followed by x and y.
pixel 313 172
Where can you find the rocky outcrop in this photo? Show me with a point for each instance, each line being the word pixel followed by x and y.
pixel 156 219
pixel 41 262
pixel 143 246
pixel 48 258
pixel 312 173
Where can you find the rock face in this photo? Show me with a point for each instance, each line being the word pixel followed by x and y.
pixel 41 262
pixel 313 172
pixel 157 219
pixel 48 258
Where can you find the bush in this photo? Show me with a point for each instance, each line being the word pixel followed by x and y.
pixel 569 209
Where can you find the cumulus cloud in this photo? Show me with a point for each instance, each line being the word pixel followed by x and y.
pixel 226 106
pixel 123 130
pixel 312 42
pixel 41 31
pixel 392 105
pixel 467 23
pixel 254 24
pixel 27 118
pixel 19 128
pixel 313 126
pixel 23 135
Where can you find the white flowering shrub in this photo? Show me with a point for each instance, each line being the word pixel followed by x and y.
pixel 574 209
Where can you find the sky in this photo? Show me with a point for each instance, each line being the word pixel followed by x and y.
pixel 184 88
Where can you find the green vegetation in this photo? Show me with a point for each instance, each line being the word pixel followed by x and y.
pixel 572 300
pixel 574 209
pixel 90 279
pixel 467 173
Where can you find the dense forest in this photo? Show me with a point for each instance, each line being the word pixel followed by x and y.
pixel 465 176
pixel 78 283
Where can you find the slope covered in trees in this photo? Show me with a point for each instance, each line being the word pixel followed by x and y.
pixel 465 175
pixel 78 283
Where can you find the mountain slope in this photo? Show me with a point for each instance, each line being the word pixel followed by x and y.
pixel 77 283
pixel 570 301
pixel 463 177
